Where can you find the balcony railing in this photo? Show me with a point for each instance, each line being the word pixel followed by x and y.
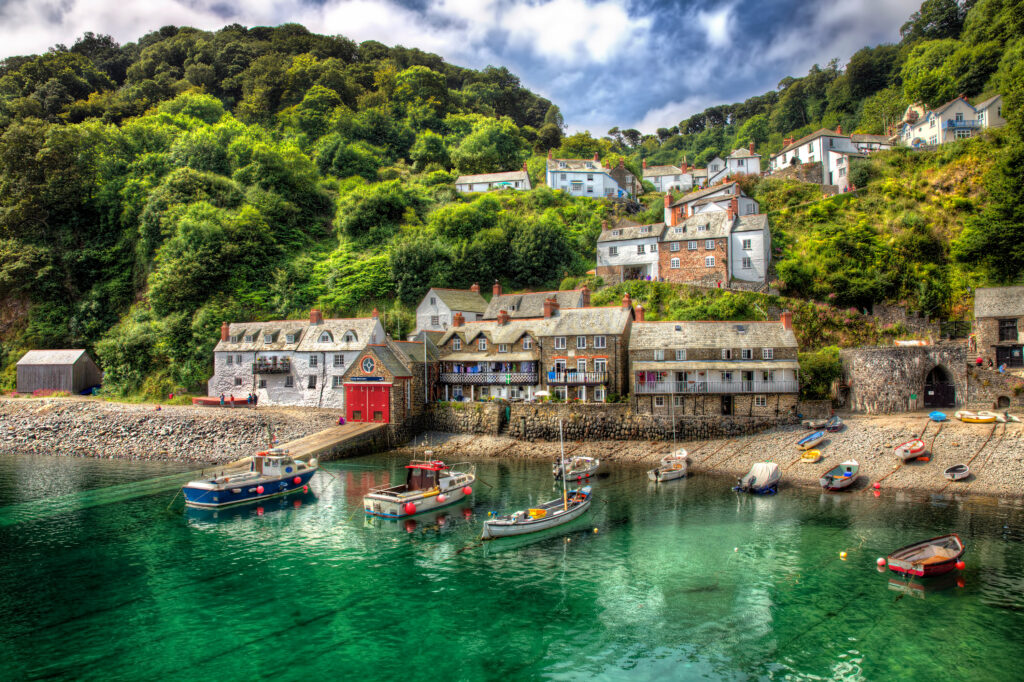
pixel 577 378
pixel 966 123
pixel 280 367
pixel 779 386
pixel 487 378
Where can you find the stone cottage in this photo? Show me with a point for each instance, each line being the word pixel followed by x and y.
pixel 714 368
pixel 291 362
pixel 435 311
pixel 999 325
pixel 389 382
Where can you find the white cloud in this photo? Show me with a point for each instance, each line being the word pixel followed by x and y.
pixel 671 113
pixel 571 29
pixel 716 25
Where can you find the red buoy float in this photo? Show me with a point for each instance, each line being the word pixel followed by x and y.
pixel 410 508
pixel 880 561
pixel 305 488
pixel 259 511
pixel 259 490
pixel 961 565
pixel 877 485
pixel 442 498
pixel 467 490
pixel 296 480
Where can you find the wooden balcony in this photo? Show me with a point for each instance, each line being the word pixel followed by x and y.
pixel 490 378
pixel 699 387
pixel 571 378
pixel 282 366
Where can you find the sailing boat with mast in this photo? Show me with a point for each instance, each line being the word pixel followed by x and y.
pixel 571 505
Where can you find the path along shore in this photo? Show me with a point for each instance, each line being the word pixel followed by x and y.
pixel 91 428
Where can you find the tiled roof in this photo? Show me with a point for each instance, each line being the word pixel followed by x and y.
pixel 393 363
pixel 950 103
pixel 566 322
pixel 980 106
pixel 413 350
pixel 717 222
pixel 756 222
pixel 861 137
pixel 822 132
pixel 742 153
pixel 998 302
pixel 653 231
pixel 461 299
pixel 577 165
pixel 531 304
pixel 700 193
pixel 656 171
pixel 509 176
pixel 668 335
pixel 51 357
pixel 307 338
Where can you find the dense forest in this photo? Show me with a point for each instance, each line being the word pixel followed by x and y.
pixel 149 191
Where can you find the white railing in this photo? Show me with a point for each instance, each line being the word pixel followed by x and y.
pixel 571 377
pixel 483 378
pixel 778 386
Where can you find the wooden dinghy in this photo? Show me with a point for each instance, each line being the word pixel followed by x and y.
pixel 834 424
pixel 810 456
pixel 840 477
pixel 929 557
pixel 674 465
pixel 910 450
pixel 814 424
pixel 975 417
pixel 811 440
pixel 577 468
pixel 957 472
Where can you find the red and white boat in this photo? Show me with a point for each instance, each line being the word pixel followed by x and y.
pixel 930 557
pixel 429 484
pixel 912 449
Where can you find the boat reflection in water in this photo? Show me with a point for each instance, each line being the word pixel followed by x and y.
pixel 199 516
pixel 439 521
pixel 922 587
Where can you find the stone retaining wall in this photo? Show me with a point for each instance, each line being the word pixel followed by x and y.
pixel 814 409
pixel 482 418
pixel 804 172
pixel 890 379
pixel 988 389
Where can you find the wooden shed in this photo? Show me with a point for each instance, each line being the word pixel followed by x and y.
pixel 58 370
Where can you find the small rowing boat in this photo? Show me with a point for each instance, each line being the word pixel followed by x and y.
pixel 674 465
pixel 576 468
pixel 814 424
pixel 762 478
pixel 929 557
pixel 975 417
pixel 957 472
pixel 841 476
pixel 810 440
pixel 810 456
pixel 834 424
pixel 912 449
pixel 544 516
pixel 937 416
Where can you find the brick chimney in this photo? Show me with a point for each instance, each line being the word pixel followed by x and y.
pixel 525 169
pixel 604 225
pixel 551 153
pixel 685 167
pixel 375 314
pixel 786 319
pixel 585 295
pixel 225 332
pixel 839 130
pixel 496 289
pixel 502 317
pixel 626 302
pixel 475 288
pixel 595 156
pixel 751 147
pixel 788 141
pixel 734 207
pixel 458 319
pixel 550 306
pixel 622 163
pixel 316 317
pixel 645 164
pixel 639 312
pixel 668 209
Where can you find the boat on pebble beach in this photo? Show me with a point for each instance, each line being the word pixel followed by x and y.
pixel 982 417
pixel 762 478
pixel 912 449
pixel 674 465
pixel 957 472
pixel 834 424
pixel 840 477
pixel 270 474
pixel 810 456
pixel 429 484
pixel 811 440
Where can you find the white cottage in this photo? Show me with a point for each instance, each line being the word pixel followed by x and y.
pixel 815 148
pixel 750 247
pixel 291 362
pixel 517 180
pixel 954 120
pixel 628 251
pixel 438 307
pixel 588 178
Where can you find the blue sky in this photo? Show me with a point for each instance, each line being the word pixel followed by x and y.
pixel 629 63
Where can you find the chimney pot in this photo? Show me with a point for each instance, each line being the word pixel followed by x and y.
pixel 751 147
pixel 225 332
pixel 626 302
pixel 604 225
pixel 787 319
pixel 502 317
pixel 839 130
pixel 639 312
pixel 315 316
pixel 458 320
pixel 375 313
pixel 551 153
pixel 585 295
pixel 475 288
pixel 645 164
pixel 496 289
pixel 595 156
pixel 525 169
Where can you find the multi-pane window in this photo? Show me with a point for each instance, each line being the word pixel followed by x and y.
pixel 336 381
pixel 709 244
pixel 250 338
pixel 674 246
pixel 600 365
pixel 311 383
pixel 231 360
pixel 434 320
pixel 291 338
pixel 767 353
pixel 747 263
pixel 599 342
pixel 599 394
pixel 709 261
pixel 313 360
pixel 238 381
pixel 1007 330
pixel 659 401
pixel 457 344
pixel 289 382
pixel 746 354
pixel 727 354
pixel 691 246
pixel 339 360
pixel 659 354
pixel 639 249
pixel 746 245
pixel 581 342
pixel 482 343
pixel 680 354
pixel 502 347
pixel 559 343
pixel 613 251
pixel 674 264
pixel 760 400
pixel 527 343
pixel 654 248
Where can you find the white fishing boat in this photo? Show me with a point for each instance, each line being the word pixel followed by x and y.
pixel 762 478
pixel 429 484
pixel 576 468
pixel 674 465
pixel 571 505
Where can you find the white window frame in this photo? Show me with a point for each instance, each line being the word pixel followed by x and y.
pixel 747 244
pixel 481 343
pixel 600 342
pixel 659 354
pixel 691 245
pixel 659 401
pixel 654 248
pixel 337 381
pixel 680 354
pixel 746 354
pixel 502 347
pixel 760 401
pixel 559 343
pixel 746 263
pixel 673 264
pixel 339 360
pixel 709 261
pixel 313 360
pixel 599 394
pixel 581 342
pixel 613 251
pixel 767 353
pixel 457 344
pixel 727 353
pixel 674 246
pixel 709 244
pixel 600 365
pixel 527 343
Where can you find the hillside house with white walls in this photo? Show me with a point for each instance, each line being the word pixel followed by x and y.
pixel 840 163
pixel 291 362
pixel 628 251
pixel 710 199
pixel 588 178
pixel 517 180
pixel 814 148
pixel 867 144
pixel 742 161
pixel 435 312
pixel 675 178
pixel 955 120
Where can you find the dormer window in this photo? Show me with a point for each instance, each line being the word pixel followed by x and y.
pixel 268 338
pixel 250 338
pixel 350 337
pixel 325 337
pixel 457 344
pixel 527 343
pixel 767 353
pixel 502 347
pixel 590 164
pixel 746 354
pixel 561 164
pixel 616 233
pixel 482 343
pixel 237 338
pixel 291 338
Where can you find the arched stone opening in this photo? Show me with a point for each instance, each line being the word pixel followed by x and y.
pixel 939 389
pixel 1003 401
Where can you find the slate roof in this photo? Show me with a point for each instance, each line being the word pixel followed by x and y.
pixel 734 365
pixel 413 351
pixel 461 299
pixel 698 172
pixel 567 322
pixel 998 302
pixel 495 333
pixel 508 176
pixel 723 198
pixel 395 364
pixel 487 356
pixel 700 193
pixel 863 137
pixel 755 222
pixel 718 222
pixel 627 232
pixel 577 165
pixel 822 132
pixel 986 103
pixel 531 304
pixel 656 171
pixel 742 153
pixel 947 105
pixel 668 335
pixel 308 335
pixel 51 357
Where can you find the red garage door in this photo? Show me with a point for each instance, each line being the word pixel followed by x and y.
pixel 367 402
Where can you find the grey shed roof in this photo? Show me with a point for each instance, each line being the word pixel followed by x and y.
pixel 461 299
pixel 51 357
pixel 757 222
pixel 627 232
pixel 394 363
pixel 742 153
pixel 999 302
pixel 656 171
pixel 864 137
pixel 509 176
pixel 659 335
pixel 531 304
pixel 604 320
pixel 701 193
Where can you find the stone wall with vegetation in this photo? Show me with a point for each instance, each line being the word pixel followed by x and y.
pixel 882 380
pixel 453 417
pixel 988 389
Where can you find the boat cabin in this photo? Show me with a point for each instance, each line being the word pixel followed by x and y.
pixel 275 463
pixel 424 475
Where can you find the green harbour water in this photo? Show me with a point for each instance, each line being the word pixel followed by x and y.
pixel 682 580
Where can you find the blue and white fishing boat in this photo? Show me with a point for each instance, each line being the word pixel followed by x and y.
pixel 270 474
pixel 809 441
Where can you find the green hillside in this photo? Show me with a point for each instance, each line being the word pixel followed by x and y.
pixel 149 191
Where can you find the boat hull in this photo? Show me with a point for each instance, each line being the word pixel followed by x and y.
pixel 494 529
pixel 808 442
pixel 912 449
pixel 931 566
pixel 390 508
pixel 956 473
pixel 228 495
pixel 660 475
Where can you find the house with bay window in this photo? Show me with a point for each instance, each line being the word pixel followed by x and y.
pixel 291 362
pixel 957 119
pixel 714 368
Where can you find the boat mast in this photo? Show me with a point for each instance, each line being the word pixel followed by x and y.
pixel 561 445
pixel 672 408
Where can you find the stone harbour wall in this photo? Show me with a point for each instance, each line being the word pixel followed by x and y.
pixel 882 380
pixel 479 418
pixel 988 389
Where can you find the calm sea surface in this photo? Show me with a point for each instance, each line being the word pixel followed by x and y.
pixel 686 580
